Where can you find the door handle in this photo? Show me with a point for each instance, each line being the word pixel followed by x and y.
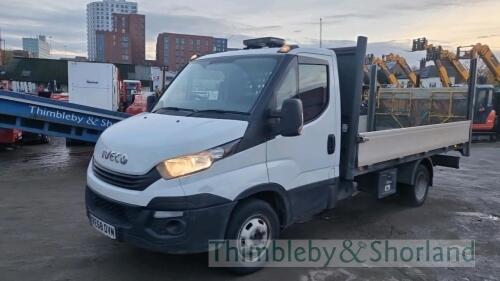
pixel 331 144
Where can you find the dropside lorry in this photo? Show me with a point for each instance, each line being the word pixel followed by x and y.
pixel 244 143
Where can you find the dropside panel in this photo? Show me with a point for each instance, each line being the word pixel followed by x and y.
pixel 380 146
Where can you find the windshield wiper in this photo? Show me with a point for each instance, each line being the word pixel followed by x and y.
pixel 222 111
pixel 175 109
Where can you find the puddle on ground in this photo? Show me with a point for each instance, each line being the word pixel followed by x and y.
pixel 479 215
pixel 52 156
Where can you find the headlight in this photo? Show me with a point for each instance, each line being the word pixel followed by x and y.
pixel 189 164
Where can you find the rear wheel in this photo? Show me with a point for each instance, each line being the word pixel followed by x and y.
pixel 252 227
pixel 416 193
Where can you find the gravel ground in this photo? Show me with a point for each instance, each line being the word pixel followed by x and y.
pixel 44 233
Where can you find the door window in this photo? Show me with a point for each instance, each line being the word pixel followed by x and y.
pixel 288 88
pixel 313 89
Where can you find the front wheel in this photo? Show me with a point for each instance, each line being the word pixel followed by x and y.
pixel 44 139
pixel 252 227
pixel 416 193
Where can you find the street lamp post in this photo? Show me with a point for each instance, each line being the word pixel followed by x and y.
pixel 320 32
pixel 2 50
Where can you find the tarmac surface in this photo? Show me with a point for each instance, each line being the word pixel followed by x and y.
pixel 45 235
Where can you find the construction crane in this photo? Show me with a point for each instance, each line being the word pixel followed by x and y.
pixel 485 53
pixel 421 44
pixel 439 54
pixel 454 61
pixel 399 60
pixel 487 100
pixel 391 78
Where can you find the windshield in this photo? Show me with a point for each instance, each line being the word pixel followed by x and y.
pixel 223 84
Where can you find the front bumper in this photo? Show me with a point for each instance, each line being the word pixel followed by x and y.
pixel 136 225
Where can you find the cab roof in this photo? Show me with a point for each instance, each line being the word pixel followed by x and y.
pixel 270 51
pixel 244 52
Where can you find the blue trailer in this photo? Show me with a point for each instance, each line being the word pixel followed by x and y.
pixel 55 118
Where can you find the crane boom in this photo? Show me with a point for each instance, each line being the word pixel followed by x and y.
pixel 391 78
pixel 454 60
pixel 399 60
pixel 438 54
pixel 443 73
pixel 485 53
pixel 421 44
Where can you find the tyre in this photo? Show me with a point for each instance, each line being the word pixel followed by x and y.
pixel 415 194
pixel 253 224
pixel 44 139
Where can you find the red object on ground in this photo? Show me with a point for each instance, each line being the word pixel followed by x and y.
pixel 10 136
pixel 138 106
pixel 60 97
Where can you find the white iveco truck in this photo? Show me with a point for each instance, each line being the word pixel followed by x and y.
pixel 245 143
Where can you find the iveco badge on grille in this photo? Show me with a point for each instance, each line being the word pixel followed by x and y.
pixel 114 157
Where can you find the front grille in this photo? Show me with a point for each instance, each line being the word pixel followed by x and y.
pixel 116 212
pixel 123 180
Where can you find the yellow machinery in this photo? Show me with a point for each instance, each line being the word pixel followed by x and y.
pixel 463 52
pixel 454 61
pixel 421 44
pixel 485 53
pixel 391 78
pixel 399 60
pixel 366 71
pixel 439 54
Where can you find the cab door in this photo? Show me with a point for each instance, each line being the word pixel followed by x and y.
pixel 306 164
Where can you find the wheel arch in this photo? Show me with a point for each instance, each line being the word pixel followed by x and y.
pixel 407 172
pixel 275 195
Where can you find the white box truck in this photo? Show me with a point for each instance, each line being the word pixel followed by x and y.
pixel 243 144
pixel 93 84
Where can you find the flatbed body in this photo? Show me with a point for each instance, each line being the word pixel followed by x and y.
pixel 387 146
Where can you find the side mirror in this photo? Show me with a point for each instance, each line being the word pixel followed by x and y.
pixel 150 102
pixel 291 118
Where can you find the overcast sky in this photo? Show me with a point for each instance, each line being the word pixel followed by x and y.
pixel 389 24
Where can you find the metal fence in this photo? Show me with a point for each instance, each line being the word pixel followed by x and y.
pixel 409 107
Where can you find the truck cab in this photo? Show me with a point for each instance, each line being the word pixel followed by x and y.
pixel 213 139
pixel 243 144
